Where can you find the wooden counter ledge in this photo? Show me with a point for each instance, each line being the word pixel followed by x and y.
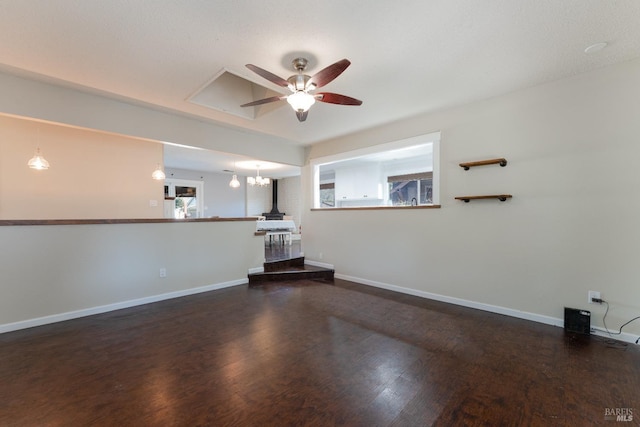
pixel 11 222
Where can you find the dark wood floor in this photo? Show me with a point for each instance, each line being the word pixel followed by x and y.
pixel 310 353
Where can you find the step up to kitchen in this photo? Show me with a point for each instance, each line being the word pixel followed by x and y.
pixel 288 270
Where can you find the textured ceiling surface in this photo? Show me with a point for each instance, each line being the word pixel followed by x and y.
pixel 408 57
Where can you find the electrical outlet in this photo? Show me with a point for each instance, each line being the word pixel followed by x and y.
pixel 163 272
pixel 593 294
pixel 320 255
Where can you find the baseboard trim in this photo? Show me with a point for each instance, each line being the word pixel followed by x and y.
pixel 602 332
pixel 319 264
pixel 255 270
pixel 30 323
pixel 39 321
pixel 547 320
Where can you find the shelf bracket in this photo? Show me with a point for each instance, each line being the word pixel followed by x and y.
pixel 501 197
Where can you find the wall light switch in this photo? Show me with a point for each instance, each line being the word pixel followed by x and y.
pixel 153 203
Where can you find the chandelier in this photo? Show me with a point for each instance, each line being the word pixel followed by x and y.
pixel 258 180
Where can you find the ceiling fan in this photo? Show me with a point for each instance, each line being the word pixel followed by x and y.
pixel 301 85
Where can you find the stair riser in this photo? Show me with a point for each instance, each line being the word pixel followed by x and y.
pixel 283 265
pixel 285 277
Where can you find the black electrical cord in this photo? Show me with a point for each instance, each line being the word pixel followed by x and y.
pixel 619 330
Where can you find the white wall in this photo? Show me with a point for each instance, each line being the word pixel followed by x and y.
pixel 45 101
pixel 258 199
pixel 290 198
pixel 219 199
pixel 57 272
pixel 572 225
pixel 92 174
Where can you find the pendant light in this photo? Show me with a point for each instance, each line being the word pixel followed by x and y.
pixel 234 183
pixel 158 174
pixel 38 162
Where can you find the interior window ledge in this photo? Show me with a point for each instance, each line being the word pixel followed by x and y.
pixel 377 208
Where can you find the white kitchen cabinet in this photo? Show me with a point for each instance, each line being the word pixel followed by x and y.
pixel 361 182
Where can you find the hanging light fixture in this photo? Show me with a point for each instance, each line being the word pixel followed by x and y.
pixel 158 174
pixel 258 180
pixel 234 183
pixel 38 162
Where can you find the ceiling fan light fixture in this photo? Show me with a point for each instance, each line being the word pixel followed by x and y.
pixel 301 101
pixel 301 84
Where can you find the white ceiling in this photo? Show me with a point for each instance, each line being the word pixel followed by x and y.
pixel 408 56
pixel 199 159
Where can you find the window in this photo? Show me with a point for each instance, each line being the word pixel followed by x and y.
pixel 328 195
pixel 411 190
pixel 397 174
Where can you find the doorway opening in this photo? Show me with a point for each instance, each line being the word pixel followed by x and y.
pixel 183 199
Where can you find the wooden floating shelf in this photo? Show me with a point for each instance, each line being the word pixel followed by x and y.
pixel 501 197
pixel 501 161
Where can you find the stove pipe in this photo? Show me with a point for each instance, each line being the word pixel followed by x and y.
pixel 274 197
pixel 275 213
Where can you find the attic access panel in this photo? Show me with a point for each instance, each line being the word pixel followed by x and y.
pixel 227 91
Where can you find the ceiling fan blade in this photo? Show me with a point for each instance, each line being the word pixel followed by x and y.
pixel 327 75
pixel 302 115
pixel 263 101
pixel 336 98
pixel 268 75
